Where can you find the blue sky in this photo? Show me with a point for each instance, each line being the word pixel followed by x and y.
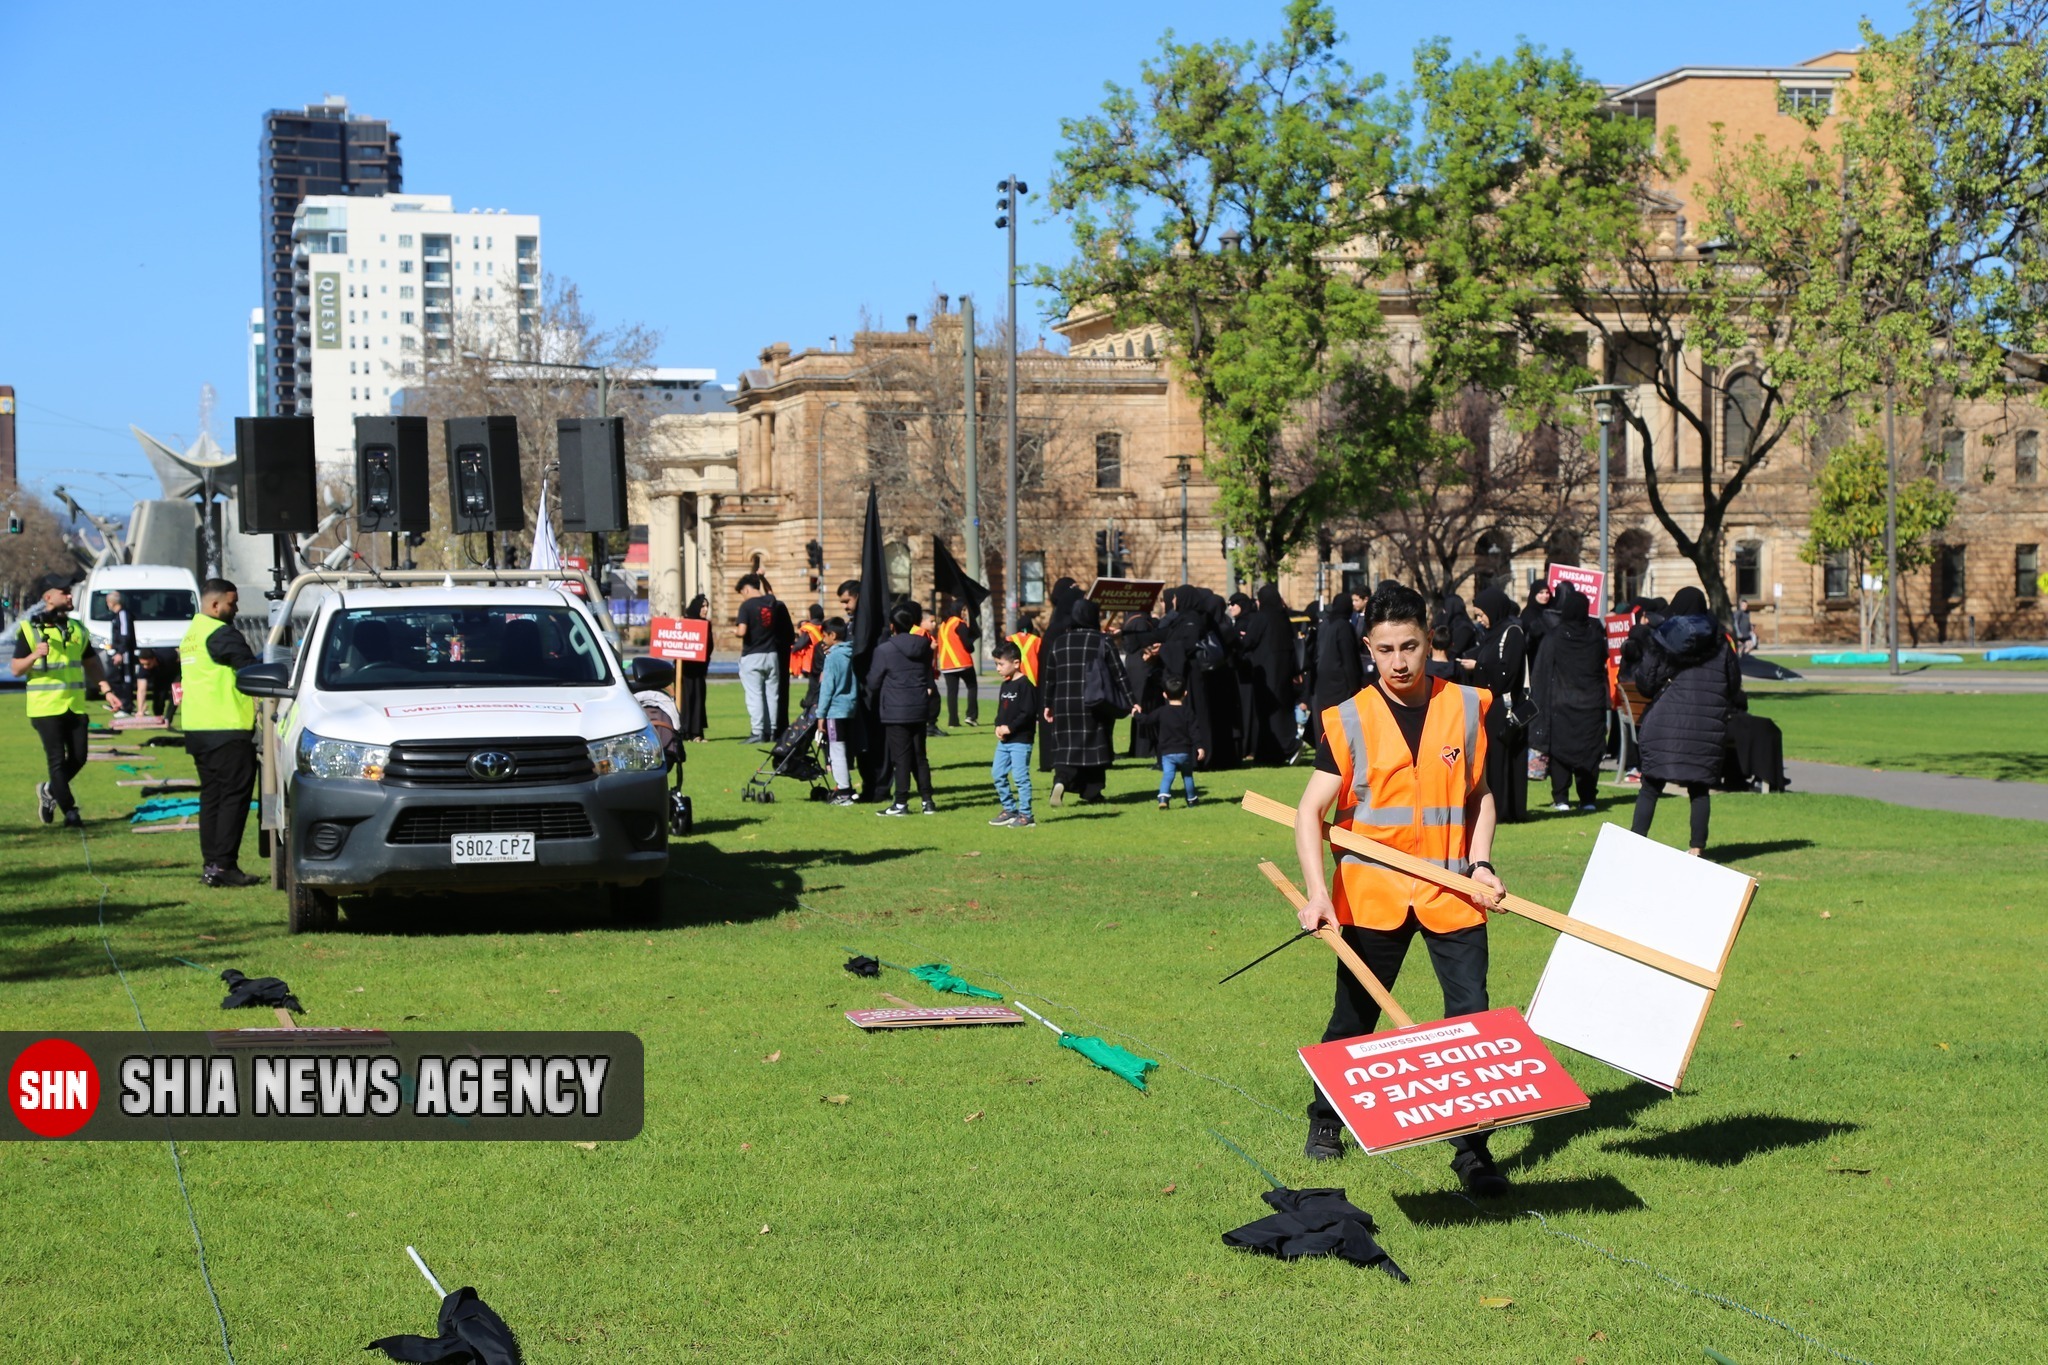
pixel 731 176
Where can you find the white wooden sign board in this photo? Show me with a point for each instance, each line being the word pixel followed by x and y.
pixel 1630 1016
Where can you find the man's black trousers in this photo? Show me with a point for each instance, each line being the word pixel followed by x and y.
pixel 1460 961
pixel 63 739
pixel 955 680
pixel 227 779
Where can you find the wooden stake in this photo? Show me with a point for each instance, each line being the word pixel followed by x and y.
pixel 1416 867
pixel 1383 997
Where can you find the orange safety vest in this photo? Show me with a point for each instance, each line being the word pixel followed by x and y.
pixel 1421 806
pixel 953 653
pixel 810 632
pixel 1027 645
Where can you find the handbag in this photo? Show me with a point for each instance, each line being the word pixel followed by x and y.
pixel 1102 692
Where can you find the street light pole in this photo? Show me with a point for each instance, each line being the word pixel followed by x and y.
pixel 970 527
pixel 1604 396
pixel 1181 467
pixel 1011 188
pixel 1891 526
pixel 821 502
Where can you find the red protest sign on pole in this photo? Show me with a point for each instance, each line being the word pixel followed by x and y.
pixel 1427 1082
pixel 1591 582
pixel 682 638
pixel 1618 627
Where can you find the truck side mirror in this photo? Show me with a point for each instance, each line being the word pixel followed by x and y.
pixel 265 680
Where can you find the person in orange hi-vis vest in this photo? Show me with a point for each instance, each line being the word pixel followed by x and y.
pixel 957 637
pixel 1402 762
pixel 1027 641
pixel 803 655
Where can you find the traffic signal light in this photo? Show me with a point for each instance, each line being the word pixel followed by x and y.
pixel 13 523
pixel 814 554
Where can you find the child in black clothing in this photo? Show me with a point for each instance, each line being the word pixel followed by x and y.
pixel 1172 727
pixel 1016 719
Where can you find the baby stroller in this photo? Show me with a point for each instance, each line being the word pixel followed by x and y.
pixel 650 680
pixel 791 756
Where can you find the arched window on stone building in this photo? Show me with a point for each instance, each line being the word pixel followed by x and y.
pixel 896 560
pixel 1491 560
pixel 1742 405
pixel 1631 565
pixel 1109 459
pixel 1565 547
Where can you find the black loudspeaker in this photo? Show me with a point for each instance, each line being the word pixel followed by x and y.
pixel 276 492
pixel 593 456
pixel 391 474
pixel 483 474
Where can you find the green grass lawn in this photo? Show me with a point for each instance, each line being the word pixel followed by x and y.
pixel 1856 1152
pixel 1996 735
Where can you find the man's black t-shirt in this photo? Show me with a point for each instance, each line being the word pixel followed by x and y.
pixel 1409 718
pixel 757 614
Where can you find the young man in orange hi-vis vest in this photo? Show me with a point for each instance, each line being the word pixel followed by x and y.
pixel 1402 762
pixel 957 637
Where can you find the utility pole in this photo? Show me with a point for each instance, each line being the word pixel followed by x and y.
pixel 820 485
pixel 971 523
pixel 1011 188
pixel 1891 522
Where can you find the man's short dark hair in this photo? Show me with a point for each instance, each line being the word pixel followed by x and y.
pixel 905 619
pixel 1007 649
pixel 850 588
pixel 836 627
pixel 1393 602
pixel 218 587
pixel 817 612
pixel 752 580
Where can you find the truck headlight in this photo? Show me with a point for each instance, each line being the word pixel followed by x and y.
pixel 635 752
pixel 319 757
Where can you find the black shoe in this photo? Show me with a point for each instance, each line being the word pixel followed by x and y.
pixel 929 809
pixel 228 876
pixel 1477 1173
pixel 73 820
pixel 1325 1140
pixel 46 804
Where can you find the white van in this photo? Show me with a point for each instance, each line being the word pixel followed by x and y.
pixel 161 600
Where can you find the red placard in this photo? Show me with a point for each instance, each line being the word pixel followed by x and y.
pixel 683 638
pixel 1591 582
pixel 1618 626
pixel 1433 1081
pixel 1124 595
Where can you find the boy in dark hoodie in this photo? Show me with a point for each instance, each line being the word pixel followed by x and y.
pixel 1172 728
pixel 901 685
pixel 1016 722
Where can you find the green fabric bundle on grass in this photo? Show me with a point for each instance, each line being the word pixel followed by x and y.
pixel 940 977
pixel 1110 1057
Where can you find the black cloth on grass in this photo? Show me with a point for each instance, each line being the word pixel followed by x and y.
pixel 471 1334
pixel 1315 1223
pixel 259 990
pixel 864 965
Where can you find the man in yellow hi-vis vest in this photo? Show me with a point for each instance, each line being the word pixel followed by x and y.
pixel 217 719
pixel 56 656
pixel 1404 763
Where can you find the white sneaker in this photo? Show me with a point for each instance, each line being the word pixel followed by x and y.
pixel 1059 791
pixel 1564 807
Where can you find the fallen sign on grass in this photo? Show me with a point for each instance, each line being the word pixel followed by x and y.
pixel 1419 1083
pixel 1630 1016
pixel 906 1015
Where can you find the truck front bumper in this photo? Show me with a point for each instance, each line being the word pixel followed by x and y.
pixel 355 836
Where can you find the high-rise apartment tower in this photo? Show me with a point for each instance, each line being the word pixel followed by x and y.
pixel 321 149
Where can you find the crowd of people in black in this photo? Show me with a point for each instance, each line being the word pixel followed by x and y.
pixel 1208 682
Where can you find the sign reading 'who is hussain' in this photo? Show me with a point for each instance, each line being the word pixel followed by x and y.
pixel 1433 1081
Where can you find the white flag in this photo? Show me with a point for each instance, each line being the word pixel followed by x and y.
pixel 546 553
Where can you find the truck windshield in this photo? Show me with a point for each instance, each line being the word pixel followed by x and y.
pixel 146 604
pixel 390 648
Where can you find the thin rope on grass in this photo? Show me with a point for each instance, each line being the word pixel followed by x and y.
pixel 1542 1222
pixel 177 1162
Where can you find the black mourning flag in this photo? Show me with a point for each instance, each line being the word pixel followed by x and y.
pixel 261 990
pixel 871 613
pixel 1315 1223
pixel 952 580
pixel 471 1334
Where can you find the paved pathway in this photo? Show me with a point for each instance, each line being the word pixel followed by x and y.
pixel 1930 679
pixel 1927 791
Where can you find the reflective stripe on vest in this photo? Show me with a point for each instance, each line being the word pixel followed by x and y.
pixel 1027 645
pixel 212 701
pixel 56 683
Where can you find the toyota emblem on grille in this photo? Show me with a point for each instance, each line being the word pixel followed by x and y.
pixel 492 765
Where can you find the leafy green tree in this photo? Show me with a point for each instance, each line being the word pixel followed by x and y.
pixel 1226 201
pixel 1848 518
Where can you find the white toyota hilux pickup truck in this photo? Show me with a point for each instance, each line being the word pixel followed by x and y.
pixel 472 738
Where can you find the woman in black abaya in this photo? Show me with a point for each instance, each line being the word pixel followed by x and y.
pixel 693 678
pixel 1501 656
